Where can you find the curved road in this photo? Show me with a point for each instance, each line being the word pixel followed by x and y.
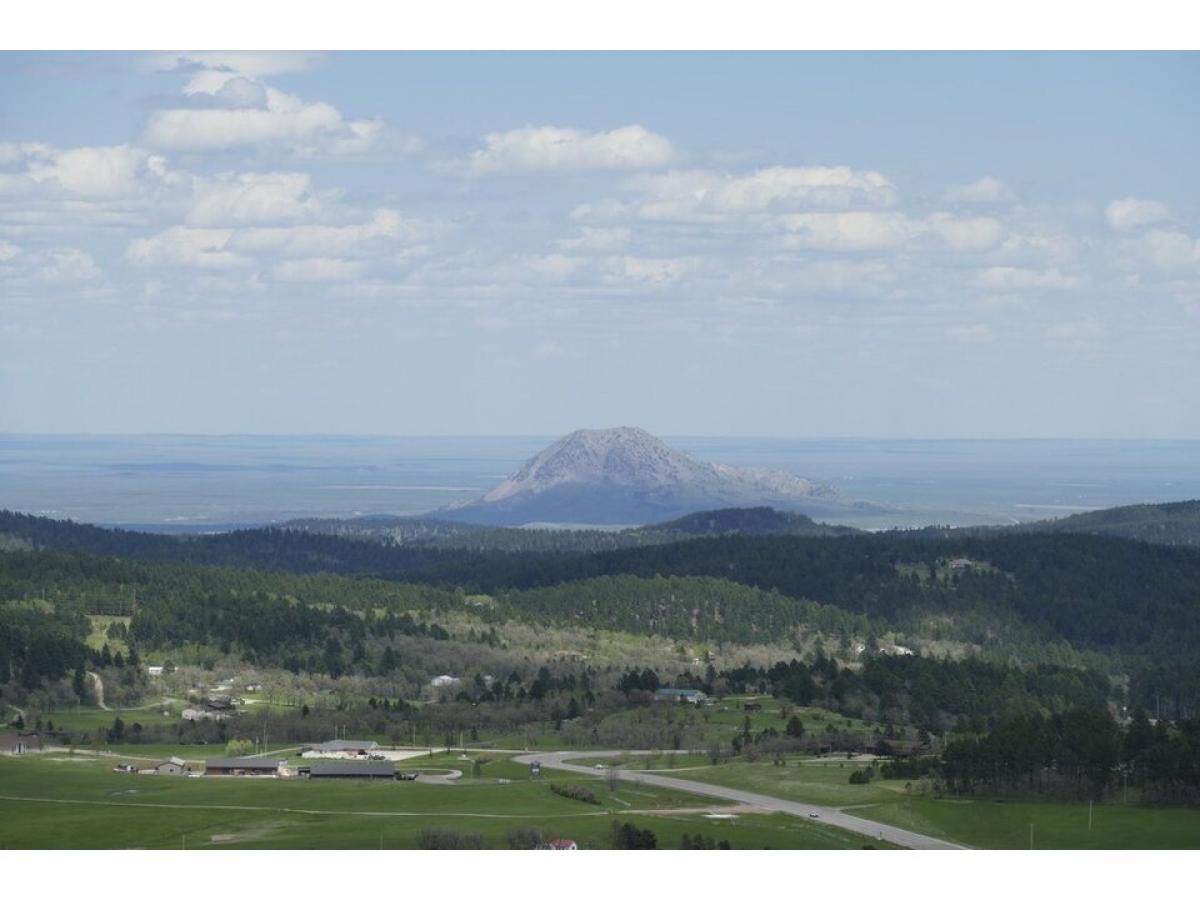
pixel 826 814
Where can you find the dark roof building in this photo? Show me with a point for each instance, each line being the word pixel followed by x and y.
pixel 243 765
pixel 367 768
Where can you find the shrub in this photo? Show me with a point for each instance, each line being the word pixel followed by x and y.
pixel 575 792
pixel 448 839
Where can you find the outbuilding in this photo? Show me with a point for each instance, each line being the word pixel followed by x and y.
pixel 173 766
pixel 245 765
pixel 369 769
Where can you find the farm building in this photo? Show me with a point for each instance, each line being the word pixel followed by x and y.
pixel 16 744
pixel 560 844
pixel 681 695
pixel 445 681
pixel 244 765
pixel 341 749
pixel 367 768
pixel 172 766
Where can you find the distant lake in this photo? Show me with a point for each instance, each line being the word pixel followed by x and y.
pixel 189 482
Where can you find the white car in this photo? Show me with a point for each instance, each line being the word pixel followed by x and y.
pixel 598 766
pixel 814 815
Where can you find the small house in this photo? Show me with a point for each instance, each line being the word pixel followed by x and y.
pixel 681 695
pixel 560 844
pixel 14 744
pixel 442 681
pixel 154 670
pixel 173 766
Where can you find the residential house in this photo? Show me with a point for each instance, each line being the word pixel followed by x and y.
pixel 16 744
pixel 560 844
pixel 681 695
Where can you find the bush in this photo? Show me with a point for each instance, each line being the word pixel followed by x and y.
pixel 524 839
pixel 575 792
pixel 861 776
pixel 630 837
pixel 448 839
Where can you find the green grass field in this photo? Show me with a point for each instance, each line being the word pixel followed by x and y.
pixel 985 823
pixel 57 801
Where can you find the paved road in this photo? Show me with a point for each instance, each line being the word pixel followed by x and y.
pixel 826 814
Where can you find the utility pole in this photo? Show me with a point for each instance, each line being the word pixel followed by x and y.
pixel 1030 835
pixel 1089 815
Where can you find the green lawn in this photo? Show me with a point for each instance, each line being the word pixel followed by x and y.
pixel 56 801
pixel 986 823
pixel 1004 825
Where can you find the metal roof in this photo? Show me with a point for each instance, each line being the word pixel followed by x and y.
pixel 243 762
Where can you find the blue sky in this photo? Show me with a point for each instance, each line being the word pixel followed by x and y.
pixel 955 244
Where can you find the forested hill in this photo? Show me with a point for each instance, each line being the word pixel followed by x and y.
pixel 747 520
pixel 1175 524
pixel 1096 592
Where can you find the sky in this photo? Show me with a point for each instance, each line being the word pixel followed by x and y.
pixel 798 245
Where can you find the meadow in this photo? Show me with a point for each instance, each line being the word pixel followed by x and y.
pixel 77 802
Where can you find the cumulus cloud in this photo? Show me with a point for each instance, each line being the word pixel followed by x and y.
pixel 253 197
pixel 847 230
pixel 226 105
pixel 700 194
pixel 8 250
pixel 204 248
pixel 1130 213
pixel 98 173
pixel 976 233
pixel 549 148
pixel 1170 249
pixel 987 189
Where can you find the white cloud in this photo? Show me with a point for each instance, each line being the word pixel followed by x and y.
pixel 847 230
pixel 647 272
pixel 384 227
pixel 319 268
pixel 95 173
pixel 987 189
pixel 548 148
pixel 257 64
pixel 226 105
pixel 1170 249
pixel 8 250
pixel 1010 278
pixel 204 248
pixel 705 194
pixel 253 197
pixel 978 233
pixel 1130 213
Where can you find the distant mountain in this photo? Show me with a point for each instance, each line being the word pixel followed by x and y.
pixel 1175 524
pixel 627 476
